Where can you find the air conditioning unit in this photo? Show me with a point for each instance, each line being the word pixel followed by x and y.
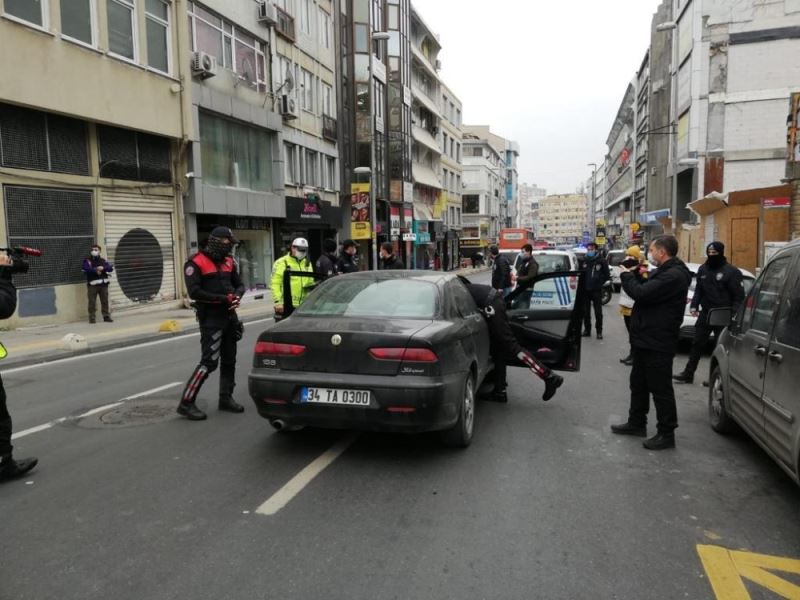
pixel 267 13
pixel 438 65
pixel 203 65
pixel 289 107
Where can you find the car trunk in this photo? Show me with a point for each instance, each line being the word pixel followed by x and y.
pixel 358 336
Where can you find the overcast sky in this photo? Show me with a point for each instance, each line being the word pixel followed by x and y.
pixel 548 74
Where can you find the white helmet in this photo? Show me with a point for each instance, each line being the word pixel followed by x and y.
pixel 300 243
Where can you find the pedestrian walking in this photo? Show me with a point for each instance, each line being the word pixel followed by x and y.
pixel 660 301
pixel 295 260
pixel 501 271
pixel 213 282
pixel 326 263
pixel 504 346
pixel 348 260
pixel 98 275
pixel 633 258
pixel 9 467
pixel 718 284
pixel 597 273
pixel 388 258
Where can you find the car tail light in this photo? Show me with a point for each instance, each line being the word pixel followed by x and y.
pixel 275 401
pixel 401 409
pixel 274 349
pixel 404 354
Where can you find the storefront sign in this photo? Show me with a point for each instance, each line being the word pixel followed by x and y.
pixel 312 208
pixel 394 219
pixel 769 203
pixel 409 237
pixel 251 223
pixel 408 217
pixel 359 202
pixel 408 191
pixel 600 241
pixel 360 231
pixel 312 212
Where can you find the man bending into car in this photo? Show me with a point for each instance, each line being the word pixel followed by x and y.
pixel 503 345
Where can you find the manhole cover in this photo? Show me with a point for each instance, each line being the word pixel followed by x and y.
pixel 133 413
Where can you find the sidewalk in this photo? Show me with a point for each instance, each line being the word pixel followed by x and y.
pixel 32 345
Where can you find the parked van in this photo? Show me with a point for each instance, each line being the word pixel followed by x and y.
pixel 755 369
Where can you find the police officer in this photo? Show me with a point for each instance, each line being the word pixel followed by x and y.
pixel 213 282
pixel 504 345
pixel 348 262
pixel 9 468
pixel 296 260
pixel 719 285
pixel 597 273
pixel 326 264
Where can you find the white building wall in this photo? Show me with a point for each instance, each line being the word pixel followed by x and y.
pixel 764 66
pixel 750 174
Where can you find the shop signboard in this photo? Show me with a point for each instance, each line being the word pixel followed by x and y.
pixel 360 231
pixel 359 202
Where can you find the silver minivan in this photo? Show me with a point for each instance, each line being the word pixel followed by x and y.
pixel 755 369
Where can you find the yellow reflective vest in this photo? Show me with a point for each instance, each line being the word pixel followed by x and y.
pixel 300 285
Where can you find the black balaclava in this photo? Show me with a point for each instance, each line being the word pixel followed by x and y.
pixel 716 261
pixel 216 247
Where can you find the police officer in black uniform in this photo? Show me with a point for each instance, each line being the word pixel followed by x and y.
pixel 719 285
pixel 9 468
pixel 326 264
pixel 213 282
pixel 348 263
pixel 504 345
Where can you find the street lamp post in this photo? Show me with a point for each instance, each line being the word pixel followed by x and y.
pixel 673 27
pixel 590 216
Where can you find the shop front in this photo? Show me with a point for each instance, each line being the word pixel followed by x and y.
pixel 311 218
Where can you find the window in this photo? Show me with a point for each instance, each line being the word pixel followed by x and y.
pixel 133 156
pixel 234 49
pixel 290 158
pixel 305 16
pixel 77 20
pixel 330 173
pixel 395 298
pixel 157 28
pixel 30 139
pixel 471 204
pixel 311 168
pixel 32 11
pixel 235 154
pixel 307 91
pixel 787 327
pixel 325 28
pixel 327 100
pixel 59 222
pixel 761 304
pixel 121 28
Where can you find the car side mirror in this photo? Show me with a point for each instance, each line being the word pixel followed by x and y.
pixel 720 317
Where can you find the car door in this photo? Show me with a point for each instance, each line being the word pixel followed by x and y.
pixel 473 330
pixel 749 347
pixel 546 318
pixel 781 397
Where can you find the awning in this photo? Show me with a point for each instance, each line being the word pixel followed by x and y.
pixel 425 138
pixel 425 176
pixel 710 204
pixel 423 212
pixel 655 217
pixel 425 101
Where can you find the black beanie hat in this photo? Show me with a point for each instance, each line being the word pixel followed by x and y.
pixel 718 246
pixel 329 246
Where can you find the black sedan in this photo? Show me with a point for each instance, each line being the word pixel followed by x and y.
pixel 400 351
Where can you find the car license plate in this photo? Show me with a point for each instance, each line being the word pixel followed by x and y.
pixel 313 395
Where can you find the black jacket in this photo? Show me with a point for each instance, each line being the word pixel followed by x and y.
pixel 346 264
pixel 501 272
pixel 660 301
pixel 326 265
pixel 8 293
pixel 209 284
pixel 527 270
pixel 597 273
pixel 719 288
pixel 392 263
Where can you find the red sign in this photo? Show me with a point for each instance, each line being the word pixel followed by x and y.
pixel 768 203
pixel 625 157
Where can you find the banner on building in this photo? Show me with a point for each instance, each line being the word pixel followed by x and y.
pixel 408 217
pixel 359 202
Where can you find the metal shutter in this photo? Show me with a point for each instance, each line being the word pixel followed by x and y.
pixel 141 247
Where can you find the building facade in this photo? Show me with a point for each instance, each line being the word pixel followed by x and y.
pixel 619 174
pixel 101 160
pixel 452 139
pixel 562 218
pixel 484 193
pixel 530 199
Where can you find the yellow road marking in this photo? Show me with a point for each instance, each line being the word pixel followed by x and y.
pixel 727 569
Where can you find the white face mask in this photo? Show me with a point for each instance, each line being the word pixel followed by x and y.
pixel 300 254
pixel 95 252
pixel 652 259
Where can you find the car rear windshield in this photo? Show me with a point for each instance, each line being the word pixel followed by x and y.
pixel 552 263
pixel 391 299
pixel 615 258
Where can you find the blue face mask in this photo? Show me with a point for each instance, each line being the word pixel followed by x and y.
pixel 591 254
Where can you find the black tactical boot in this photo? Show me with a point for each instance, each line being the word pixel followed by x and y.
pixel 629 429
pixel 11 469
pixel 551 383
pixel 191 412
pixel 599 335
pixel 628 360
pixel 660 441
pixel 228 404
pixel 684 377
pixel 587 333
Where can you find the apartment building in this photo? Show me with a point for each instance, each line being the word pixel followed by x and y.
pixel 452 139
pixel 484 181
pixel 530 199
pixel 562 218
pixel 95 118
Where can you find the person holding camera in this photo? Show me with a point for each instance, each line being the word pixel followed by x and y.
pixel 213 282
pixel 9 467
pixel 97 270
pixel 633 258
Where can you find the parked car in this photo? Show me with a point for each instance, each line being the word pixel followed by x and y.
pixel 754 369
pixel 615 258
pixel 399 351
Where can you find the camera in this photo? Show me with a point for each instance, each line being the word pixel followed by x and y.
pixel 630 262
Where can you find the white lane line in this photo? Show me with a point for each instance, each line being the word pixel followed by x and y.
pixel 285 495
pixel 69 359
pixel 94 411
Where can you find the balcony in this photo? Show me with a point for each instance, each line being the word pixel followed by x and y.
pixel 285 24
pixel 329 128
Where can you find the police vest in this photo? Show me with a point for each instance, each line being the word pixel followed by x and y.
pixel 215 278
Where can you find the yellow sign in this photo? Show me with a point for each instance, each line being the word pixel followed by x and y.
pixel 727 570
pixel 359 188
pixel 635 227
pixel 600 241
pixel 601 223
pixel 360 230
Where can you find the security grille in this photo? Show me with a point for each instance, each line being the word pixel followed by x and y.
pixel 30 139
pixel 134 156
pixel 60 223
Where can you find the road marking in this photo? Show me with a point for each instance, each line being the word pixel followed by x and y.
pixel 69 359
pixel 727 570
pixel 285 495
pixel 94 411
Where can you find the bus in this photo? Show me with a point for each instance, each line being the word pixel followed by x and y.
pixel 514 239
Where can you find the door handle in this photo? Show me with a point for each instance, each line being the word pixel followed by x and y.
pixel 520 318
pixel 776 357
pixel 760 350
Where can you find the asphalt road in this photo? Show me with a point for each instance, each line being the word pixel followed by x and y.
pixel 134 503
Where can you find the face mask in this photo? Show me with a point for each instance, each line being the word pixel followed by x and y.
pixel 217 249
pixel 652 259
pixel 95 252
pixel 715 261
pixel 591 254
pixel 300 254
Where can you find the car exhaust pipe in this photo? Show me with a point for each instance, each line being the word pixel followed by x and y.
pixel 278 424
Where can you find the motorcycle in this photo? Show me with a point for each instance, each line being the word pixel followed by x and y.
pixel 606 292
